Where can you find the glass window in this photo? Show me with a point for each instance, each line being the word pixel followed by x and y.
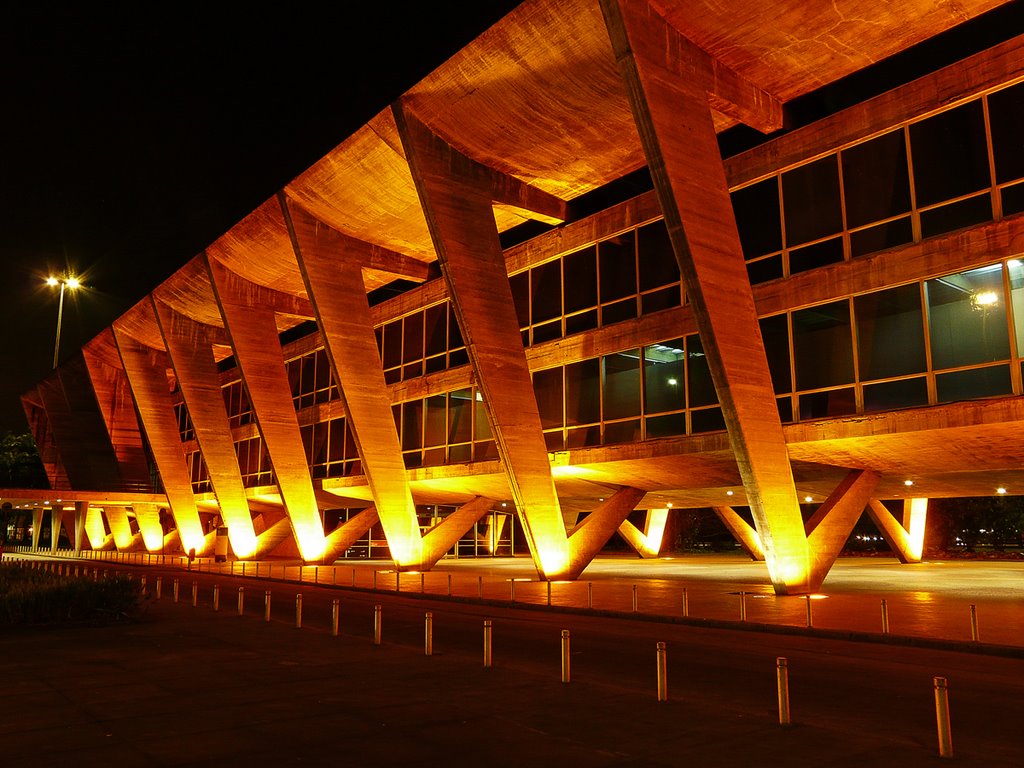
pixel 775 334
pixel 1016 269
pixel 583 392
pixel 546 291
pixel 580 279
pixel 817 255
pixel 949 153
pixel 657 260
pixel 891 395
pixel 460 416
pixel 963 213
pixel 619 311
pixel 890 333
pixel 323 370
pixel 617 257
pixel 392 344
pixel 547 387
pixel 454 332
pixel 757 217
pixel 763 270
pixel 412 347
pixel 976 382
pixel 666 426
pixel 810 196
pixel 1006 116
pixel 435 422
pixel 622 431
pixel 1013 199
pixel 412 425
pixel 707 420
pixel 822 346
pixel 336 452
pixel 482 427
pixel 435 325
pixel 664 382
pixel 698 375
pixel 967 318
pixel 881 236
pixel 621 384
pixel 836 402
pixel 520 285
pixel 875 179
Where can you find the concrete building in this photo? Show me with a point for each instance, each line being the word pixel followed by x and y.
pixel 469 327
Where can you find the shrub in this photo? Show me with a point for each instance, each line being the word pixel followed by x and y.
pixel 30 597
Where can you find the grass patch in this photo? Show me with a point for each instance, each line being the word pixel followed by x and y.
pixel 30 597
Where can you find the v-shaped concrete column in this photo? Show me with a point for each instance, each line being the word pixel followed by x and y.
pixel 347 534
pixel 456 194
pixel 747 537
pixel 249 319
pixel 190 350
pixel 148 518
pixel 906 540
pixel 831 524
pixel 147 375
pixel 646 543
pixel 117 519
pixel 81 510
pixel 670 83
pixel 37 527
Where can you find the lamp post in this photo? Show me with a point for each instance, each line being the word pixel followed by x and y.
pixel 70 282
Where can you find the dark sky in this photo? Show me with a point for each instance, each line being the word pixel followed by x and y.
pixel 132 138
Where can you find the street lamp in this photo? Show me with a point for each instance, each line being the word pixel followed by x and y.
pixel 68 281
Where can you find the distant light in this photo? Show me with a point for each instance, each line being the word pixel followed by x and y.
pixel 672 382
pixel 669 505
pixel 908 483
pixel 808 499
pixel 985 299
pixel 728 493
pixel 72 282
pixel 1000 490
pixel 504 504
pixel 600 499
pixel 51 280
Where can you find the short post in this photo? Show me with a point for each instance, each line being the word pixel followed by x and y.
pixel 143 582
pixel 512 589
pixel 398 581
pixel 686 604
pixel 449 585
pixel 487 643
pixel 810 618
pixel 335 610
pixel 374 579
pixel 266 606
pixel 334 575
pixel 565 655
pixel 974 623
pixel 195 594
pixel 428 634
pixel 298 611
pixel 942 717
pixel 353 577
pixel 662 673
pixel 423 582
pixel 549 593
pixel 590 594
pixel 782 673
pixel 241 601
pixel 159 586
pixel 885 617
pixel 216 597
pixel 479 586
pixel 634 598
pixel 743 605
pixel 243 566
pixel 316 574
pixel 376 624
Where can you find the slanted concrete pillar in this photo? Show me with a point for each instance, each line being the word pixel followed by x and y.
pixel 646 543
pixel 747 537
pixel 907 540
pixel 56 516
pixel 190 350
pixel 81 510
pixel 832 523
pixel 117 519
pixel 669 82
pixel 37 527
pixel 148 518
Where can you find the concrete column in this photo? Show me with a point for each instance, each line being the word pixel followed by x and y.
pixel 669 81
pixel 749 541
pixel 831 524
pixel 56 516
pixel 117 519
pixel 81 510
pixel 148 518
pixel 907 540
pixel 646 543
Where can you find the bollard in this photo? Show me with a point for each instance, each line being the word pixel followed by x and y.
pixel 175 588
pixel 195 594
pixel 449 585
pixel 662 673
pixel 334 574
pixel 298 611
pixel 428 634
pixel 512 589
pixel 375 580
pixel 479 586
pixel 353 577
pixel 686 604
pixel 487 643
pixel 974 623
pixel 216 597
pixel 241 601
pixel 590 594
pixel 335 610
pixel 316 574
pixel 743 605
pixel 549 593
pixel 782 673
pixel 810 621
pixel 143 584
pixel 885 617
pixel 423 582
pixel 266 606
pixel 565 655
pixel 942 717
pixel 398 581
pixel 376 625
pixel 634 598
pixel 159 587
pixel 243 567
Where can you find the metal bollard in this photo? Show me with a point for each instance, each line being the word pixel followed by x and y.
pixel 316 574
pixel 743 605
pixel 241 601
pixel 487 643
pixel 216 597
pixel 782 673
pixel 449 585
pixel 590 594
pixel 298 611
pixel 565 655
pixel 942 717
pixel 423 582
pixel 428 634
pixel 686 604
pixel 512 589
pixel 266 606
pixel 335 610
pixel 353 577
pixel 974 623
pixel 195 594
pixel 634 598
pixel 885 617
pixel 159 586
pixel 810 619
pixel 398 581
pixel 662 673
pixel 175 589
pixel 549 593
pixel 375 580
pixel 334 574
pixel 479 586
pixel 243 567
pixel 376 624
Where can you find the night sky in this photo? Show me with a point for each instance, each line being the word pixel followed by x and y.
pixel 131 139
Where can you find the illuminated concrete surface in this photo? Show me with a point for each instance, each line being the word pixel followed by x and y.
pixel 190 687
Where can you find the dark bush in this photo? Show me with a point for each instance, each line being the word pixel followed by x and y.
pixel 30 597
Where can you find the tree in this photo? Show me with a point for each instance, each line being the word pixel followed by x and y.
pixel 20 465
